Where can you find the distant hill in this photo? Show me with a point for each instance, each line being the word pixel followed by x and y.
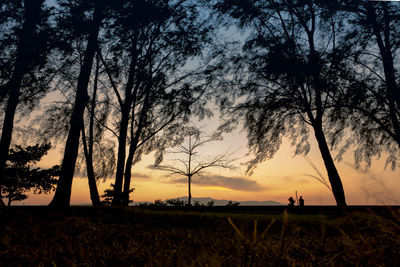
pixel 223 202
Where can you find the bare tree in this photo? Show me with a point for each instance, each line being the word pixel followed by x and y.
pixel 190 164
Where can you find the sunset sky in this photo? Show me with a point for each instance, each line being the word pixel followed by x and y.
pixel 275 179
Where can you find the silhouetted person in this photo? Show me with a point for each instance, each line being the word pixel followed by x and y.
pixel 291 201
pixel 301 201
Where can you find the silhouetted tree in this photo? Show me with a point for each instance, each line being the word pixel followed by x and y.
pixel 232 203
pixel 107 197
pixel 372 93
pixel 191 164
pixel 20 175
pixel 286 77
pixel 24 46
pixel 88 144
pixel 155 39
pixel 96 159
pixel 63 191
pixel 104 165
pixel 175 202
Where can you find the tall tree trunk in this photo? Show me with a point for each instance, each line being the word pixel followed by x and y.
pixel 8 124
pixel 94 193
pixel 63 192
pixel 189 190
pixel 128 174
pixel 333 174
pixel 129 163
pixel 119 176
pixel 123 133
pixel 88 146
pixel 317 121
pixel 190 170
pixel 23 59
pixel 134 142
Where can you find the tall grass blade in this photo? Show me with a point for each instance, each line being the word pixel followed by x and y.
pixel 236 228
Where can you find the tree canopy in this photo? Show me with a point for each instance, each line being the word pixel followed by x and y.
pixel 20 174
pixel 126 78
pixel 287 79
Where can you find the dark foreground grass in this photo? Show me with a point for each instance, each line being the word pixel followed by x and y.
pixel 85 236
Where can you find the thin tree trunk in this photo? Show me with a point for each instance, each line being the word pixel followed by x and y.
pixel 127 181
pixel 133 146
pixel 190 191
pixel 333 174
pixel 190 171
pixel 88 147
pixel 62 195
pixel 94 193
pixel 128 165
pixel 23 58
pixel 123 133
pixel 119 176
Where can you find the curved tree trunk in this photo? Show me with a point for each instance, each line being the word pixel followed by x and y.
pixel 134 143
pixel 94 193
pixel 88 146
pixel 317 120
pixel 333 174
pixel 63 192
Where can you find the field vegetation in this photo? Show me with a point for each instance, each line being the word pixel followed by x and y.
pixel 137 236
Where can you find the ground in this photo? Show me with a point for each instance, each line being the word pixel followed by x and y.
pixel 207 236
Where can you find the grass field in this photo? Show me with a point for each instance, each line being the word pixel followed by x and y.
pixel 86 236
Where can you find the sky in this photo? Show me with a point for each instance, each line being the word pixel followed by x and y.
pixel 273 180
pixel 276 179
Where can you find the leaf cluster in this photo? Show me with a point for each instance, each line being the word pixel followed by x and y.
pixel 21 175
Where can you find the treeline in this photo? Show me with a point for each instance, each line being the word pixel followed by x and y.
pixel 125 77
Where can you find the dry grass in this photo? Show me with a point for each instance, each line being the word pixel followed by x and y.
pixel 134 237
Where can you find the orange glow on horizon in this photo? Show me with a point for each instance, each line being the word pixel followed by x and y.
pixel 278 179
pixel 217 188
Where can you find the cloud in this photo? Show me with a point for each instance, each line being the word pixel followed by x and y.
pixel 299 178
pixel 140 176
pixel 234 183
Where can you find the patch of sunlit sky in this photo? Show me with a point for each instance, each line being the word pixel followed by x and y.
pixel 278 178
